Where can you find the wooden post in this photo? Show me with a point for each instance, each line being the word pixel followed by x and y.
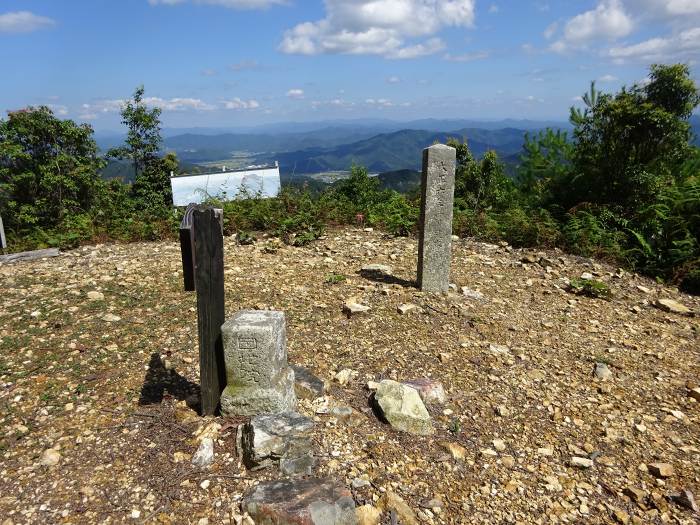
pixel 3 241
pixel 209 283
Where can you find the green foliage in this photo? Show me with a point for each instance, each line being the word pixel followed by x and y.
pixel 397 215
pixel 480 184
pixel 143 141
pixel 546 158
pixel 48 170
pixel 335 278
pixel 590 288
pixel 629 146
pixel 245 238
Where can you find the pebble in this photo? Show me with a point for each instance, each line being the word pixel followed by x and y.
pixel 602 371
pixel 499 445
pixel 205 453
pixel 579 462
pixel 95 296
pixel 661 470
pixel 50 457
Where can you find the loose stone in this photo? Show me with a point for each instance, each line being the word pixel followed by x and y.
pixel 401 406
pixel 661 470
pixel 306 384
pixel 282 440
pixel 581 462
pixel 429 390
pixel 205 453
pixel 671 306
pixel 300 502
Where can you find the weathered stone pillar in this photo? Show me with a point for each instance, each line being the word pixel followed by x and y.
pixel 437 196
pixel 258 380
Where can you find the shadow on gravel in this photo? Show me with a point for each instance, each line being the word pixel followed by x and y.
pixel 379 277
pixel 161 382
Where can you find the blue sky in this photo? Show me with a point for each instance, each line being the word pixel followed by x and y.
pixel 247 62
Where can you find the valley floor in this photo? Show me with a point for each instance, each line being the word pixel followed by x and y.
pixel 94 388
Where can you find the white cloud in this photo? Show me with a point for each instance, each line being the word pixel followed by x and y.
pixel 378 27
pixel 232 4
pixel 379 102
pixel 23 22
pixel 608 78
pixel 608 21
pixel 295 93
pixel 493 9
pixel 88 116
pixel 684 45
pixel 245 65
pixel 171 104
pixel 104 106
pixel 393 80
pixel 336 103
pixel 178 104
pixel 58 109
pixel 665 8
pixel 238 103
pixel 551 30
pixel 466 57
pixel 208 72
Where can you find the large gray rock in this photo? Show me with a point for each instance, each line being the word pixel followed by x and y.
pixel 300 502
pixel 282 440
pixel 402 408
pixel 258 380
pixel 435 232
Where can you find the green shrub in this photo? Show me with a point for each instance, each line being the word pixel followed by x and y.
pixel 590 288
pixel 335 278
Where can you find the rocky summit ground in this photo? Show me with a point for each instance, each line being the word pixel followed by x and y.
pixel 99 368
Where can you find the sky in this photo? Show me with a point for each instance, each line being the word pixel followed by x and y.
pixel 228 63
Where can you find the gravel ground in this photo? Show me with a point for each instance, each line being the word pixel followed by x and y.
pixel 98 377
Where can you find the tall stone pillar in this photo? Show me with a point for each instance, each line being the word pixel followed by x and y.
pixel 437 197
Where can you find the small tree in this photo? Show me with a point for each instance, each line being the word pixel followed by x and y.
pixel 483 184
pixel 143 142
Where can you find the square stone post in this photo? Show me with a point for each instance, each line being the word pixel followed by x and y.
pixel 435 235
pixel 258 380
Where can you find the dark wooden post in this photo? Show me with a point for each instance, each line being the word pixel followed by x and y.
pixel 209 283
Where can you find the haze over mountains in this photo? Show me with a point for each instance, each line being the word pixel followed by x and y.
pixel 379 145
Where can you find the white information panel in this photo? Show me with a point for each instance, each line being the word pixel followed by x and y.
pixel 226 185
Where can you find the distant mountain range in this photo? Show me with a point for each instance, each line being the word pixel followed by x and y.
pixel 379 145
pixel 396 151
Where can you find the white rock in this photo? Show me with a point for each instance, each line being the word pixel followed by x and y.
pixel 352 307
pixel 205 453
pixel 345 376
pixel 602 371
pixel 111 318
pixel 50 457
pixel 581 462
pixel 95 296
